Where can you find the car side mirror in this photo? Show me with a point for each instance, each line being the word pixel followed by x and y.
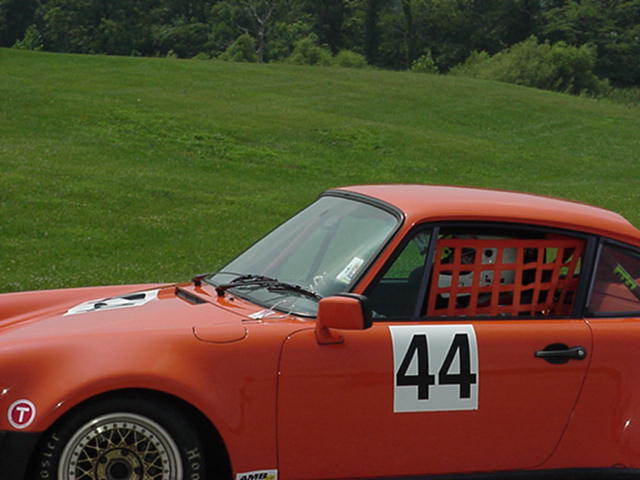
pixel 346 311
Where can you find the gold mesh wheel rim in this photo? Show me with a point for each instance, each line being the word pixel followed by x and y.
pixel 121 446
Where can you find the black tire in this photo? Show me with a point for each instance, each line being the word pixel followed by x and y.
pixel 121 438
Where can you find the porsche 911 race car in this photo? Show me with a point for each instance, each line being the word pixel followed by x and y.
pixel 383 332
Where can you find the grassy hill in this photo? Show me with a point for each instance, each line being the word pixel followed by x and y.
pixel 121 170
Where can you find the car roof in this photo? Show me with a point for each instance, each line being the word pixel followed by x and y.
pixel 421 203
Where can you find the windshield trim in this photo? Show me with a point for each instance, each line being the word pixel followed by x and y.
pixel 375 202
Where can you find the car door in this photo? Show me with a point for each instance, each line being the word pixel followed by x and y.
pixel 483 376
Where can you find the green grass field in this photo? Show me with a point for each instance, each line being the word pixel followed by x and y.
pixel 119 170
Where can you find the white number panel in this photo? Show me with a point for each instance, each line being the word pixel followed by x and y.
pixel 435 368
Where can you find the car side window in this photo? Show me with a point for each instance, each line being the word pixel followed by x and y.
pixel 480 272
pixel 616 288
pixel 396 293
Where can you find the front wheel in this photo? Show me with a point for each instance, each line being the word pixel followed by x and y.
pixel 122 439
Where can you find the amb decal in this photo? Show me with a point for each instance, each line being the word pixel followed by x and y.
pixel 258 475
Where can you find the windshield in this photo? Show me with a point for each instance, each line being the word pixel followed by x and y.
pixel 323 249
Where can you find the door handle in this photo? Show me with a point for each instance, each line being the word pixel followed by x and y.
pixel 558 353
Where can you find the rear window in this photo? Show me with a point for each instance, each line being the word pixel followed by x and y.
pixel 616 289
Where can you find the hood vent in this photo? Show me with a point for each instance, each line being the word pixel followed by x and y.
pixel 189 297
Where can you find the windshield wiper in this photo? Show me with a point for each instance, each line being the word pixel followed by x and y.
pixel 197 279
pixel 288 287
pixel 242 280
pixel 263 281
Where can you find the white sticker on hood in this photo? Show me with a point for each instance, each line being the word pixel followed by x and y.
pixel 129 300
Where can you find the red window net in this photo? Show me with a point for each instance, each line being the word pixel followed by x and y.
pixel 504 277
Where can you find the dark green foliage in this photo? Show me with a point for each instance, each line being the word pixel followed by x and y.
pixel 349 59
pixel 392 49
pixel 15 17
pixel 308 52
pixel 328 21
pixel 184 38
pixel 410 33
pixel 372 31
pixel 391 34
pixel 557 67
pixel 68 25
pixel 242 50
pixel 284 36
pixel 275 25
pixel 201 56
pixel 628 96
pixel 225 20
pixel 425 64
pixel 497 24
pixel 261 15
pixel 88 26
pixel 612 26
pixel 32 40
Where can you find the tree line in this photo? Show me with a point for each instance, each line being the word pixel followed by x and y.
pixel 435 35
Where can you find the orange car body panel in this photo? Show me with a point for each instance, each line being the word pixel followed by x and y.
pixel 270 389
pixel 499 435
pixel 174 348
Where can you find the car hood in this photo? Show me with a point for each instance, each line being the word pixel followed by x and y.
pixel 124 309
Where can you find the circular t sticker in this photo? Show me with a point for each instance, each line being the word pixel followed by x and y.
pixel 21 414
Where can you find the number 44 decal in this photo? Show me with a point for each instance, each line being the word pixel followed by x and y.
pixel 435 368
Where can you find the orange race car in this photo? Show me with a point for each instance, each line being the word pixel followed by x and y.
pixel 383 332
